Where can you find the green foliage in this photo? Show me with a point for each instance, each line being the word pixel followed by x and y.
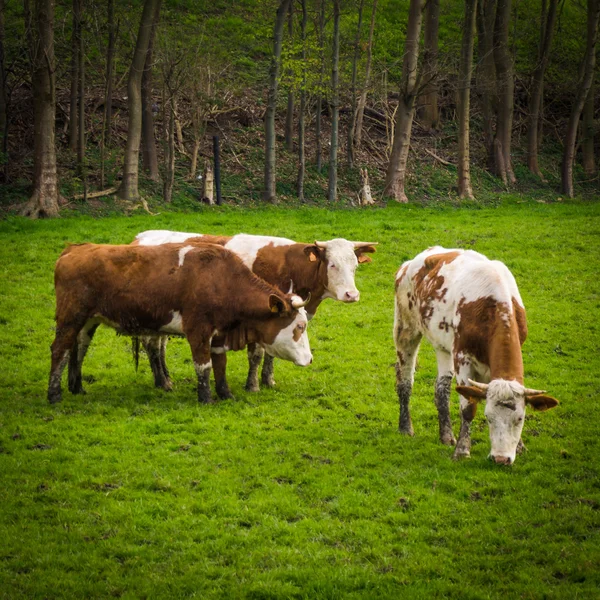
pixel 306 490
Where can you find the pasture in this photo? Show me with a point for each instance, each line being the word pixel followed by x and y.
pixel 306 490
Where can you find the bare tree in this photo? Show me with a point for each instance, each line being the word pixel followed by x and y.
pixel 396 172
pixel 464 98
pixel 537 86
pixel 486 73
pixel 335 104
pixel 3 94
pixel 81 103
pixel 428 100
pixel 149 154
pixel 75 48
pixel 269 193
pixel 585 84
pixel 319 107
pixel 587 137
pixel 129 185
pixel 302 112
pixel 108 90
pixel 362 101
pixel 289 115
pixel 352 120
pixel 40 34
pixel 505 83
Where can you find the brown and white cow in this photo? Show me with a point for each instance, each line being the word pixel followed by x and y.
pixel 470 309
pixel 321 270
pixel 196 291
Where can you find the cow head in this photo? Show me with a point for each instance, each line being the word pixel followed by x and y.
pixel 288 339
pixel 505 412
pixel 341 258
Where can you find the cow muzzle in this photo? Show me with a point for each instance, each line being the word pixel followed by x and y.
pixel 502 460
pixel 351 296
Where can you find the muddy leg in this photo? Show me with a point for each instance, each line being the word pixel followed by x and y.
pixel 267 371
pixel 405 372
pixel 443 386
pixel 163 358
pixel 219 364
pixel 152 345
pixel 255 355
pixel 78 353
pixel 199 340
pixel 467 414
pixel 64 342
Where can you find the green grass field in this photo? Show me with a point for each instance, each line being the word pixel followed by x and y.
pixel 306 490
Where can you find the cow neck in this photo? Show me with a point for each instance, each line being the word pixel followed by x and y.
pixel 504 347
pixel 308 276
pixel 240 337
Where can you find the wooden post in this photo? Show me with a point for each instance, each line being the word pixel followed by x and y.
pixel 217 168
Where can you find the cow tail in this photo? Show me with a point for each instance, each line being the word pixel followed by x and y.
pixel 135 349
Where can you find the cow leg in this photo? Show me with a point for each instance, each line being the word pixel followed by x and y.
pixel 200 344
pixel 406 351
pixel 467 414
pixel 163 358
pixel 219 364
pixel 255 356
pixel 267 371
pixel 152 346
pixel 78 353
pixel 64 342
pixel 443 386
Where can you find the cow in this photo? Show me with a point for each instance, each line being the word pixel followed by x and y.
pixel 321 270
pixel 470 310
pixel 198 291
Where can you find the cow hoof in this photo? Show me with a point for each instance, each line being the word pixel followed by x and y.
pixel 521 447
pixel 269 382
pixel 224 393
pixel 460 454
pixel 252 387
pixel 54 399
pixel 448 440
pixel 407 431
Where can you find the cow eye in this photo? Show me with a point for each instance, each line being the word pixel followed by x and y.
pixel 332 265
pixel 301 328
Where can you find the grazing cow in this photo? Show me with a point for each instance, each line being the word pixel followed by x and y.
pixel 321 270
pixel 470 309
pixel 197 291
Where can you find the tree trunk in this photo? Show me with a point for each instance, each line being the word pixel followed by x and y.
pixel 319 107
pixel 3 96
pixel 110 53
pixel 587 141
pixel 301 134
pixel 149 154
pixel 428 102
pixel 170 153
pixel 396 172
pixel 44 200
pixel 289 115
pixel 505 84
pixel 464 98
pixel 129 185
pixel 75 62
pixel 589 62
pixel 352 120
pixel 81 103
pixel 535 99
pixel 362 101
pixel 335 104
pixel 269 193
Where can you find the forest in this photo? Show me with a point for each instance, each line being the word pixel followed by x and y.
pixel 129 105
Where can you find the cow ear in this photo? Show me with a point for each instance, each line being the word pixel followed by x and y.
pixel 313 253
pixel 472 393
pixel 360 249
pixel 541 402
pixel 276 304
pixel 363 259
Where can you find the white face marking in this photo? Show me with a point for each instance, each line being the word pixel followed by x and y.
pixel 341 267
pixel 155 237
pixel 175 325
pixel 247 246
pixel 183 252
pixel 284 346
pixel 505 413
